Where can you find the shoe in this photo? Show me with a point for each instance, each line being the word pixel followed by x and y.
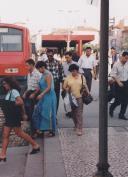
pixel 51 134
pixel 34 151
pixel 3 159
pixel 122 117
pixel 38 135
pixel 79 132
pixel 69 114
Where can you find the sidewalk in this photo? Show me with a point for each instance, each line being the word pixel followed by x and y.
pixel 68 155
pixel 16 161
pixel 21 164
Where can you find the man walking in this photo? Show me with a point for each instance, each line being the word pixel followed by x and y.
pixel 56 68
pixel 67 63
pixel 88 64
pixel 120 75
pixel 31 91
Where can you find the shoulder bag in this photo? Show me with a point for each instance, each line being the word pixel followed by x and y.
pixel 87 98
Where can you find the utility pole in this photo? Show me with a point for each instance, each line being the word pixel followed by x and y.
pixel 103 166
pixel 68 40
pixel 91 2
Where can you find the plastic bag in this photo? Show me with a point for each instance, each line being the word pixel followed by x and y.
pixel 73 101
pixel 67 105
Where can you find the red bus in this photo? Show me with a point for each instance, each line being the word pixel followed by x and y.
pixel 15 49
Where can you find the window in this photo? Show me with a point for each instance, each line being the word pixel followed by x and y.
pixel 11 43
pixel 11 40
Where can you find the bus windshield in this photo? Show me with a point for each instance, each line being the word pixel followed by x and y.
pixel 10 40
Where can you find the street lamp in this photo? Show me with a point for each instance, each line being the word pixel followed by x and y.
pixel 103 166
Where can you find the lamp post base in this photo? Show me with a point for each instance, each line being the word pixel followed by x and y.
pixel 102 171
pixel 102 174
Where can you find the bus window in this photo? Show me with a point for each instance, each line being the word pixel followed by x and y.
pixel 11 43
pixel 11 40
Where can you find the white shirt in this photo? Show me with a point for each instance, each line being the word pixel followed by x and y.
pixel 57 57
pixel 43 57
pixel 33 80
pixel 87 62
pixel 120 71
pixel 12 95
pixel 66 67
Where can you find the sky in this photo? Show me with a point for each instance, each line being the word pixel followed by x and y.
pixel 47 14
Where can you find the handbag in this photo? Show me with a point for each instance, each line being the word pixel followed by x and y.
pixel 87 98
pixel 10 109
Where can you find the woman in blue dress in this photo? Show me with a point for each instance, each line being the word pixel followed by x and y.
pixel 44 115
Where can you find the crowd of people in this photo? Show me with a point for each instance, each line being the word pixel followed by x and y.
pixel 46 78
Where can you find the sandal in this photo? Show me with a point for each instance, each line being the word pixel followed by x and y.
pixel 3 159
pixel 51 134
pixel 35 150
pixel 79 132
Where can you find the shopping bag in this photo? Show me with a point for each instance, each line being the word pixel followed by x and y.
pixel 67 105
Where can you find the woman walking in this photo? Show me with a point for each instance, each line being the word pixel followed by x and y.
pixel 44 115
pixel 13 111
pixel 73 84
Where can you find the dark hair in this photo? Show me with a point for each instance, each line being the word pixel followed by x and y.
pixel 40 64
pixel 73 67
pixel 50 50
pixel 124 54
pixel 113 48
pixel 30 62
pixel 12 82
pixel 68 53
pixel 88 48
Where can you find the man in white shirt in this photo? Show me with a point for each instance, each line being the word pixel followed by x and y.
pixel 87 62
pixel 30 94
pixel 67 63
pixel 120 74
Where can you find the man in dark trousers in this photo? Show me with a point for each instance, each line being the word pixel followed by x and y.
pixel 120 75
pixel 56 68
pixel 87 62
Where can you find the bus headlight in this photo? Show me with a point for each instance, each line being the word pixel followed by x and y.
pixel 11 70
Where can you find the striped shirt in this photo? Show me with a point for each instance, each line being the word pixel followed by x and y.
pixel 33 80
pixel 56 68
